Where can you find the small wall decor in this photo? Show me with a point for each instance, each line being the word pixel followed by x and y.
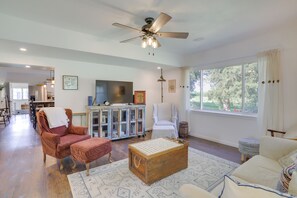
pixel 139 97
pixel 171 86
pixel 70 82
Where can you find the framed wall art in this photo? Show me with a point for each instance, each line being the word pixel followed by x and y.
pixel 139 97
pixel 70 82
pixel 171 86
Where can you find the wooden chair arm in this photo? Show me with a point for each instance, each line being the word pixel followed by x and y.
pixel 272 131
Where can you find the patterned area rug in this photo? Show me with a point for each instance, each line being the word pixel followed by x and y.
pixel 115 179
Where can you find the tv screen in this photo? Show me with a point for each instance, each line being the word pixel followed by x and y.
pixel 114 91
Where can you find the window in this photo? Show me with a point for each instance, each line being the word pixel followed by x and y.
pixel 20 93
pixel 228 89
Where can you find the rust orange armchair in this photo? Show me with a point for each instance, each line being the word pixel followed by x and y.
pixel 56 141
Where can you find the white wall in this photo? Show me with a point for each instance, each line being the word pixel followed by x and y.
pixel 2 76
pixel 30 78
pixel 228 129
pixel 87 74
pixel 176 98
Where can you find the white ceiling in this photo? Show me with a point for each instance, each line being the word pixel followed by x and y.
pixel 18 73
pixel 209 23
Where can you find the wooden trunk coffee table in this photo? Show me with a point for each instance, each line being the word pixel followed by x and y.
pixel 155 159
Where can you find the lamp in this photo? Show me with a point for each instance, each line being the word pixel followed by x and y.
pixel 154 43
pixel 50 80
pixel 161 79
pixel 149 41
pixel 144 42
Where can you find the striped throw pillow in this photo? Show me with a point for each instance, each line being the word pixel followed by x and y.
pixel 285 178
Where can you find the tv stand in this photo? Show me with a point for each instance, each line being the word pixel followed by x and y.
pixel 119 104
pixel 116 121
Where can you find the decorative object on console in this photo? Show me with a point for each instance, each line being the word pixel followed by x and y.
pixel 139 97
pixel 70 82
pixel 90 100
pixel 171 86
pixel 161 80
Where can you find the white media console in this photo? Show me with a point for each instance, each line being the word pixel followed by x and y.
pixel 117 121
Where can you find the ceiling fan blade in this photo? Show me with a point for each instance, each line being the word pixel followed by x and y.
pixel 126 27
pixel 128 40
pixel 180 35
pixel 159 22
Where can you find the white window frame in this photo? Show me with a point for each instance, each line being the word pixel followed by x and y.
pixel 22 93
pixel 246 114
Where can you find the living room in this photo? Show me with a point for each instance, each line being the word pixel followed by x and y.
pixel 92 51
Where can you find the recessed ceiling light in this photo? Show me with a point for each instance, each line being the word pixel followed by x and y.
pixel 27 66
pixel 23 49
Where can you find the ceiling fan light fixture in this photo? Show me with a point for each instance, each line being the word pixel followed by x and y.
pixel 144 43
pixel 150 31
pixel 154 43
pixel 149 40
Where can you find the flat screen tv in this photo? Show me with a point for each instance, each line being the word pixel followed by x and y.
pixel 114 92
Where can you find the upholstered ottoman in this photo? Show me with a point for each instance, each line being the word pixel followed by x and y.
pixel 89 150
pixel 248 147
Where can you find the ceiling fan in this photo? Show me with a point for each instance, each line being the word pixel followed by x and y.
pixel 150 31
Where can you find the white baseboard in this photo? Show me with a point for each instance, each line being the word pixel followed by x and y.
pixel 216 140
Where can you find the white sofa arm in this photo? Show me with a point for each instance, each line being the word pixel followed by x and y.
pixel 274 148
pixel 191 191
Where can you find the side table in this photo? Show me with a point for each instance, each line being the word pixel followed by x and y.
pixel 183 129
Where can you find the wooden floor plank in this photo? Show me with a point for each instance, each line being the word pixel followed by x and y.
pixel 23 173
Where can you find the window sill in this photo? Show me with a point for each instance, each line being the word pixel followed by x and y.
pixel 221 113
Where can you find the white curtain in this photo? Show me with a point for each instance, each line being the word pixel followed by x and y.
pixel 270 115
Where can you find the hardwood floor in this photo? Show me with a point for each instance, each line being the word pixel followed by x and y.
pixel 23 173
